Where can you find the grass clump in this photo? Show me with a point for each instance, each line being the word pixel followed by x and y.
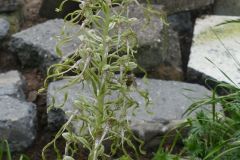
pixel 5 153
pixel 213 135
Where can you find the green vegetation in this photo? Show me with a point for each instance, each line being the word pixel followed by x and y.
pixel 5 153
pixel 103 52
pixel 214 134
pixel 110 49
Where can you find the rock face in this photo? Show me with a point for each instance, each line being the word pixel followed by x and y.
pixel 35 46
pixel 170 100
pixel 158 46
pixel 4 28
pixel 12 84
pixel 9 5
pixel 216 47
pixel 173 6
pixel 170 6
pixel 229 7
pixel 48 8
pixel 17 117
pixel 182 23
pixel 17 122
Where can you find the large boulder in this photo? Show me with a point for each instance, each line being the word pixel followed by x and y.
pixel 158 45
pixel 181 22
pixel 17 122
pixel 229 7
pixel 12 84
pixel 170 99
pixel 35 46
pixel 4 28
pixel 215 50
pixel 174 6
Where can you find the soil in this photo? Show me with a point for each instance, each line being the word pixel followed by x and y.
pixel 8 61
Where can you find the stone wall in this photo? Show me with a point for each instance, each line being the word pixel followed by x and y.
pixel 34 47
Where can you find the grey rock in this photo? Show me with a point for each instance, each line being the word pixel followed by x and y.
pixel 12 84
pixel 170 99
pixel 174 6
pixel 181 22
pixel 35 46
pixel 215 47
pixel 17 122
pixel 229 7
pixel 158 45
pixel 9 5
pixel 170 6
pixel 56 117
pixel 4 28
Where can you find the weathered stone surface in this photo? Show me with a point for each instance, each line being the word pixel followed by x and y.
pixel 229 7
pixel 48 8
pixel 170 99
pixel 173 6
pixel 12 84
pixel 17 122
pixel 158 45
pixel 170 6
pixel 9 5
pixel 219 44
pixel 4 28
pixel 182 23
pixel 35 46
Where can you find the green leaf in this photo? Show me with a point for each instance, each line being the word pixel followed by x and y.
pixel 68 158
pixel 24 157
pixel 84 142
